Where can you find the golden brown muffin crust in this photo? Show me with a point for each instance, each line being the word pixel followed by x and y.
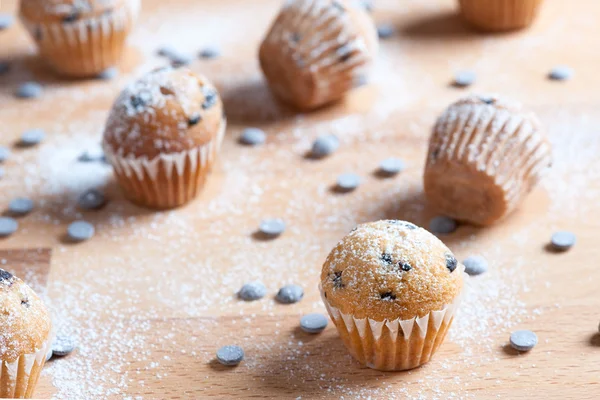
pixel 66 11
pixel 389 270
pixel 166 111
pixel 24 319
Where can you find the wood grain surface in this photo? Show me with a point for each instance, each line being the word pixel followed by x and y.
pixel 152 296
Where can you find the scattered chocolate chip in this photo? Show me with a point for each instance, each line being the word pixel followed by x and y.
pixel 63 346
pixel 391 166
pixel 388 296
pixel 4 67
pixel 208 53
pixel 487 99
pixel 442 225
pixel 8 226
pixel 313 323
pixel 180 60
pixel 194 120
pixel 405 266
pixel 290 294
pixel 464 78
pixel 20 206
pixel 6 20
pixel 563 240
pixel 210 98
pixel 325 145
pixel 253 136
pixel 91 199
pixel 25 303
pixel 337 280
pixel 475 265
pixel 166 51
pixel 32 137
pixel 67 19
pixel 252 291
pixel 347 182
pixel 4 153
pixel 137 101
pixel 451 262
pixel 561 73
pixel 387 258
pixel 80 231
pixel 230 355
pixel 385 31
pixel 523 340
pixel 6 277
pixel 108 74
pixel 29 90
pixel 272 227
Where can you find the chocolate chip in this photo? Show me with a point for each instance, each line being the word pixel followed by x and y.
pixel 391 166
pixel 29 90
pixel 405 266
pixel 337 280
pixel 6 277
pixel 442 225
pixel 25 303
pixel 108 74
pixel 272 227
pixel 230 355
pixel 194 120
pixel 385 31
pixel 63 345
pixel 137 101
pixel 561 73
pixel 347 182
pixel 464 78
pixel 563 240
pixel 80 231
pixel 451 262
pixel 74 16
pixel 386 258
pixel 210 98
pixel 20 206
pixel 6 20
pixel 290 294
pixel 523 340
pixel 475 265
pixel 313 323
pixel 208 53
pixel 252 291
pixel 389 296
pixel 31 137
pixel 8 226
pixel 93 154
pixel 324 145
pixel 487 99
pixel 253 136
pixel 91 199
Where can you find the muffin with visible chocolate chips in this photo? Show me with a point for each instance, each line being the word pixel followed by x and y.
pixel 25 333
pixel 163 135
pixel 80 38
pixel 392 289
pixel 318 50
pixel 485 155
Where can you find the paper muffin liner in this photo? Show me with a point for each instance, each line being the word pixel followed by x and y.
pixel 393 345
pixel 500 15
pixel 87 46
pixel 168 180
pixel 317 50
pixel 482 162
pixel 19 378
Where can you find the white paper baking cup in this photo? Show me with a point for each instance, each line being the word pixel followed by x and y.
pixel 168 180
pixel 393 345
pixel 87 46
pixel 19 378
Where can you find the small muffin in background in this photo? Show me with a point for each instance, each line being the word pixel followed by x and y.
pixel 392 289
pixel 317 50
pixel 80 38
pixel 485 155
pixel 163 135
pixel 500 15
pixel 25 337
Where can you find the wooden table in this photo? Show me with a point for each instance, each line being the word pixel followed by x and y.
pixel 152 296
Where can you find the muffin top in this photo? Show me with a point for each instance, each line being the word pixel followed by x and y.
pixel 492 103
pixel 389 270
pixel 166 111
pixel 24 319
pixel 67 11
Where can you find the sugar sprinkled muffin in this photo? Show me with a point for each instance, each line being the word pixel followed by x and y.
pixel 317 50
pixel 391 289
pixel 80 38
pixel 25 333
pixel 485 155
pixel 500 15
pixel 163 135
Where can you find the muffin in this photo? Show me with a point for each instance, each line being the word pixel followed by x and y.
pixel 392 290
pixel 25 336
pixel 485 155
pixel 80 38
pixel 499 15
pixel 163 135
pixel 317 50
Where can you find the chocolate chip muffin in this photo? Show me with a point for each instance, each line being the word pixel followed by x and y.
pixel 25 331
pixel 391 289
pixel 485 155
pixel 163 135
pixel 317 50
pixel 80 38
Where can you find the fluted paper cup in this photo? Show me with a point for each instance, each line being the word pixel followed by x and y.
pixel 19 378
pixel 500 15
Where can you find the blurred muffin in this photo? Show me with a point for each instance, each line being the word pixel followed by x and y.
pixel 80 38
pixel 25 331
pixel 317 50
pixel 392 289
pixel 500 15
pixel 163 135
